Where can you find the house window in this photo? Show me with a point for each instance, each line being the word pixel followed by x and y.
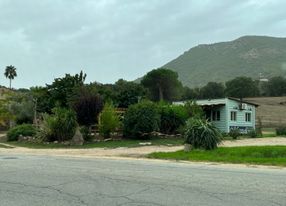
pixel 248 117
pixel 233 116
pixel 216 116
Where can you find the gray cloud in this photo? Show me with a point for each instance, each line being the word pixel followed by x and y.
pixel 112 39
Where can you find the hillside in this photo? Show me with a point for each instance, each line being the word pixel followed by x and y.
pixel 219 62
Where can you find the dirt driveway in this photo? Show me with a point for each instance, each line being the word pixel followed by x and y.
pixel 135 151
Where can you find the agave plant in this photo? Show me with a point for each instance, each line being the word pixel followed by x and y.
pixel 202 134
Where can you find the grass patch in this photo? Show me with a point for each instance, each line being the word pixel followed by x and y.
pixel 109 144
pixel 262 155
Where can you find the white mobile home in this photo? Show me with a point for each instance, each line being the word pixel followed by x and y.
pixel 229 113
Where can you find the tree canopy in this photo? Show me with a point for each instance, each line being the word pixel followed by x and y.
pixel 241 87
pixel 163 84
pixel 10 73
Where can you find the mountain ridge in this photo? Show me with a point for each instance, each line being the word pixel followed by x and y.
pixel 252 56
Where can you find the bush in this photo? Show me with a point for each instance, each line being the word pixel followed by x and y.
pixel 281 131
pixel 172 118
pixel 234 133
pixel 252 133
pixel 60 126
pixel 201 134
pixel 140 120
pixel 24 130
pixel 109 120
pixel 194 110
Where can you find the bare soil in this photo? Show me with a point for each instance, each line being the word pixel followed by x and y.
pixel 136 152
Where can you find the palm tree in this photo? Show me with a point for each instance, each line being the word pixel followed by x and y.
pixel 10 73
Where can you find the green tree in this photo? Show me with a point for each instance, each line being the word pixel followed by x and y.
pixel 10 73
pixel 190 94
pixel 241 87
pixel 163 84
pixel 87 104
pixel 62 88
pixel 128 93
pixel 276 86
pixel 109 120
pixel 212 90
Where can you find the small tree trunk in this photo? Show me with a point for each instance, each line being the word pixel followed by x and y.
pixel 10 83
pixel 160 94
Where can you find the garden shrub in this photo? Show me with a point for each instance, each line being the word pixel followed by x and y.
pixel 109 120
pixel 281 131
pixel 140 120
pixel 201 134
pixel 172 118
pixel 59 126
pixel 23 129
pixel 252 133
pixel 234 133
pixel 194 110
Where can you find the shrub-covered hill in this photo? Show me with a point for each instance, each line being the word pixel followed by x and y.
pixel 247 56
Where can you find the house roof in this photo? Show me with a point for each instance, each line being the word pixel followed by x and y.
pixel 222 101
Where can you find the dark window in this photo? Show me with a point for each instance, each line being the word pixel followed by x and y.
pixel 248 117
pixel 233 116
pixel 216 115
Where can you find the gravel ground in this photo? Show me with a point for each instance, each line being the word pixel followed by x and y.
pixel 136 151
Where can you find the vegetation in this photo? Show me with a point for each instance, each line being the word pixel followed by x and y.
pixel 87 104
pixel 109 120
pixel 59 126
pixel 281 131
pixel 172 118
pixel 163 84
pixel 248 56
pixel 10 73
pixel 140 120
pixel 202 134
pixel 234 133
pixel 20 130
pixel 263 155
pixel 241 87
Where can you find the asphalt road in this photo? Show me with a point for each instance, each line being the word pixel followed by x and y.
pixel 58 181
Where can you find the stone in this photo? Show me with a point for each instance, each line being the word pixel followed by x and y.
pixel 77 138
pixel 188 147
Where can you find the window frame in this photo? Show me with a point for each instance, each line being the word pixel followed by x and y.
pixel 233 116
pixel 248 117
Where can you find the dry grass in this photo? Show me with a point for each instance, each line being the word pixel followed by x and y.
pixel 271 110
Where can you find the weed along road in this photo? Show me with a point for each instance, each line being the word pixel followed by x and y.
pixel 27 180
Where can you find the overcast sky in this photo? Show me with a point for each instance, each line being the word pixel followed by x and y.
pixel 112 39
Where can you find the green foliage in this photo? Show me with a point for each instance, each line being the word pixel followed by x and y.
pixel 10 73
pixel 276 87
pixel 23 129
pixel 281 131
pixel 62 88
pixel 241 87
pixel 87 104
pixel 109 120
pixel 128 93
pixel 252 133
pixel 172 118
pixel 202 134
pixel 59 126
pixel 220 62
pixel 194 110
pixel 212 90
pixel 140 120
pixel 163 84
pixel 234 133
pixel 5 114
pixel 21 105
pixel 43 99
